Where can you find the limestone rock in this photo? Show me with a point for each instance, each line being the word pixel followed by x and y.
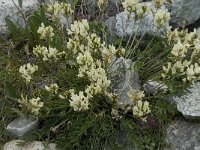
pixel 110 23
pixel 123 78
pixel 35 145
pixel 8 9
pixel 125 26
pixel 189 104
pixel 182 135
pixel 181 10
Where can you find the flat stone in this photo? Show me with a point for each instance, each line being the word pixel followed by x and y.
pixel 35 145
pixel 182 135
pixel 189 103
pixel 188 10
pixel 8 9
pixel 21 125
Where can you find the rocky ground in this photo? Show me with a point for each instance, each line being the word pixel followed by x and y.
pixel 182 134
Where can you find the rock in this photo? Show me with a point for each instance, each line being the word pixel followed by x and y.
pixel 123 78
pixel 189 104
pixel 35 145
pixel 182 135
pixel 66 22
pixel 181 10
pixel 21 125
pixel 8 9
pixel 154 86
pixel 126 26
pixel 110 23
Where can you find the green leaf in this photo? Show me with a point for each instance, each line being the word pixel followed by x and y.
pixel 12 27
pixel 2 40
pixel 20 3
pixel 11 89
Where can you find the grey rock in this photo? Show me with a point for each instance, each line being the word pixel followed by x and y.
pixel 21 125
pixel 189 104
pixel 126 26
pixel 110 23
pixel 154 86
pixel 181 10
pixel 123 77
pixel 65 21
pixel 182 135
pixel 8 9
pixel 34 145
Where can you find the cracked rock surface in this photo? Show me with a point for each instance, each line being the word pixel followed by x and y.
pixel 182 135
pixel 188 10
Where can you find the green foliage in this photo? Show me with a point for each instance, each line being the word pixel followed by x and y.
pixel 20 2
pixel 149 61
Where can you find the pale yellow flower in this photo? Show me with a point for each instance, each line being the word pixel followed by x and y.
pixel 161 18
pixel 79 102
pixel 27 70
pixel 53 88
pixel 45 32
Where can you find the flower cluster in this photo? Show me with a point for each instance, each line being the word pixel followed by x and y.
pixel 32 105
pixel 158 3
pixel 57 9
pixel 161 18
pixel 140 9
pixel 140 108
pixel 79 101
pixel 135 95
pixel 47 53
pixel 184 61
pixel 130 5
pixel 108 53
pixel 53 88
pixel 79 29
pixel 46 32
pixel 27 70
pixel 86 46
